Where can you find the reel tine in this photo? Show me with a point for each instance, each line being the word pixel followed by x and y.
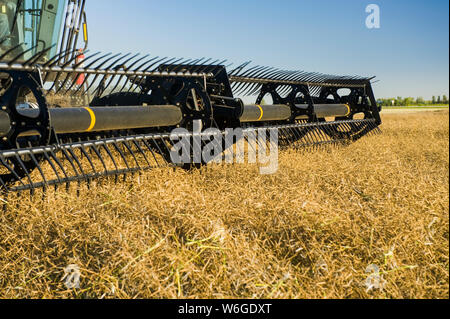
pixel 10 51
pixel 25 170
pixel 125 68
pixel 70 154
pixel 17 57
pixel 37 56
pixel 249 73
pixel 142 78
pixel 157 63
pixel 127 146
pixel 256 75
pixel 140 66
pixel 142 152
pixel 100 66
pixel 59 73
pixel 51 156
pixel 134 85
pixel 38 166
pixel 11 170
pixel 101 88
pixel 63 57
pixel 88 67
pixel 200 61
pixel 52 62
pixel 180 65
pixel 90 57
pixel 101 159
pixel 253 89
pixel 215 66
pixel 175 63
pixel 271 73
pixel 148 67
pixel 237 70
pixel 53 59
pixel 151 151
pixel 132 65
pixel 88 157
pixel 205 67
pixel 288 77
pixel 285 89
pixel 69 75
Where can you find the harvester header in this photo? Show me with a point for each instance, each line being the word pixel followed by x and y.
pixel 68 118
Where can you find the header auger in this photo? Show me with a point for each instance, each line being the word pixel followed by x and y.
pixel 64 120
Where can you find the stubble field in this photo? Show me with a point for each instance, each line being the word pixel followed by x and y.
pixel 369 220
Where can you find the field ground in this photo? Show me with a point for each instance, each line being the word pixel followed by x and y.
pixel 318 228
pixel 417 107
pixel 412 109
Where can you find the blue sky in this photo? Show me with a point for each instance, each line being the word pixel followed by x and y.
pixel 409 54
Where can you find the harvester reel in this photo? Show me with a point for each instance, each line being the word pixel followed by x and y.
pixel 185 93
pixel 128 127
pixel 20 85
pixel 270 89
pixel 291 99
pixel 195 105
pixel 348 132
pixel 189 95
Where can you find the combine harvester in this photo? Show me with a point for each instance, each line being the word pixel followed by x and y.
pixel 68 118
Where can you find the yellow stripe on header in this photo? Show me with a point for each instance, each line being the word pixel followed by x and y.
pixel 262 112
pixel 348 110
pixel 93 119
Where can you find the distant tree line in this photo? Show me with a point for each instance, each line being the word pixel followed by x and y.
pixel 410 101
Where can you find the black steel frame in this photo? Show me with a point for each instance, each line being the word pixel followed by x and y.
pixel 136 80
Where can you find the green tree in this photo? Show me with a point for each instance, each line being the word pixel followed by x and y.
pixel 420 101
pixel 408 101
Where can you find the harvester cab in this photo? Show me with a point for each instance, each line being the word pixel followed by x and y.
pixel 31 26
pixel 133 107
